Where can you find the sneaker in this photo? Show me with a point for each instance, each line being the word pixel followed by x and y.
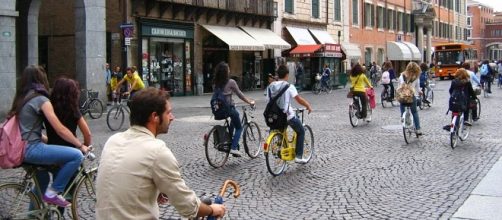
pixel 446 128
pixel 467 123
pixel 489 91
pixel 368 119
pixel 426 101
pixel 56 200
pixel 418 132
pixel 301 160
pixel 475 119
pixel 236 153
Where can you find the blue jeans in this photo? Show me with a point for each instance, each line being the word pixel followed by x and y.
pixel 68 158
pixel 414 112
pixel 297 126
pixel 235 122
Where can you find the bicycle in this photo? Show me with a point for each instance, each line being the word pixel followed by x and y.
pixel 217 142
pixel 408 123
pixel 429 96
pixel 458 130
pixel 374 79
pixel 385 96
pixel 355 111
pixel 23 200
pixel 91 104
pixel 279 150
pixel 116 115
pixel 319 87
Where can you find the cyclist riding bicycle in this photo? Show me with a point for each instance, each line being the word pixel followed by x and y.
pixel 134 80
pixel 486 73
pixel 392 76
pixel 325 76
pixel 476 87
pixel 424 82
pixel 285 103
pixel 411 76
pixel 359 83
pixel 229 86
pixel 461 93
pixel 137 171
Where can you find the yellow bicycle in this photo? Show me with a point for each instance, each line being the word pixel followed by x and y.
pixel 279 150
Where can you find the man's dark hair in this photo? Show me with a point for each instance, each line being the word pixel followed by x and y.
pixel 145 102
pixel 424 67
pixel 282 71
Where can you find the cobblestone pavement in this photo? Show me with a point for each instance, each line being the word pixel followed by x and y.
pixel 367 172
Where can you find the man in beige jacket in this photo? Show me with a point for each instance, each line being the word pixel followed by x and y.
pixel 137 170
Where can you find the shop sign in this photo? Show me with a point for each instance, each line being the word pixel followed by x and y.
pixel 332 48
pixel 168 32
pixel 329 54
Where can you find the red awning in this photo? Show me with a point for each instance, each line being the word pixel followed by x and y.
pixel 305 49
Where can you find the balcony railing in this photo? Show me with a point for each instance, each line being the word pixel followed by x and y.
pixel 257 7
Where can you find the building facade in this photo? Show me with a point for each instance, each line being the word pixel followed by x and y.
pixel 482 22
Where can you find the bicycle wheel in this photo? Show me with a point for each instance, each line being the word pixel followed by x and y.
pixel 252 139
pixel 52 214
pixel 316 88
pixel 352 116
pixel 463 130
pixel 329 89
pixel 84 197
pixel 16 200
pixel 383 98
pixel 95 108
pixel 275 165
pixel 214 155
pixel 308 143
pixel 115 118
pixel 479 106
pixel 454 135
pixel 407 127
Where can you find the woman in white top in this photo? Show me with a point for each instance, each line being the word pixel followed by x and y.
pixel 411 76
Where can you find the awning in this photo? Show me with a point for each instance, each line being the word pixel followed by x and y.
pixel 415 52
pixel 267 38
pixel 322 36
pixel 305 49
pixel 301 36
pixel 235 38
pixel 352 51
pixel 398 51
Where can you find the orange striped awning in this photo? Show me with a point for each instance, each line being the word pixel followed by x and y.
pixel 303 49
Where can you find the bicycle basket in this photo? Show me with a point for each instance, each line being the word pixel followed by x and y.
pixel 92 94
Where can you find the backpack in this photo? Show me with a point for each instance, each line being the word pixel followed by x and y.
pixel 219 105
pixel 458 100
pixel 484 70
pixel 275 118
pixel 423 79
pixel 11 144
pixel 405 92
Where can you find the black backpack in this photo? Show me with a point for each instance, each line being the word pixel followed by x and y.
pixel 458 100
pixel 219 105
pixel 275 118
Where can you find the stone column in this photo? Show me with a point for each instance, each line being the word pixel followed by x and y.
pixel 428 44
pixel 90 44
pixel 33 32
pixel 8 15
pixel 420 40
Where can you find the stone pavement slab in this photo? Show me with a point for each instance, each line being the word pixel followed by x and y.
pixel 485 201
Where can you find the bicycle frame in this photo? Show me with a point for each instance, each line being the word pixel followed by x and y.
pixel 288 153
pixel 456 117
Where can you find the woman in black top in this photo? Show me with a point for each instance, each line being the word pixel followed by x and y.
pixel 462 82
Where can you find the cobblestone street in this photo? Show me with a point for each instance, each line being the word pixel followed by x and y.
pixel 366 172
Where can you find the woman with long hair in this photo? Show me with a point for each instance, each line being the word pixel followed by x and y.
pixel 462 83
pixel 359 83
pixel 31 105
pixel 411 76
pixel 229 87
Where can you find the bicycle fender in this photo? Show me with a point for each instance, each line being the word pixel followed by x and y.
pixel 269 139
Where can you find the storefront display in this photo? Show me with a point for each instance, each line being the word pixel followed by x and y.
pixel 166 57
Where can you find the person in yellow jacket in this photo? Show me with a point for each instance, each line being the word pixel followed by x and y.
pixel 359 83
pixel 134 81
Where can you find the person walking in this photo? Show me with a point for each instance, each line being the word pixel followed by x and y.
pixel 137 171
pixel 108 77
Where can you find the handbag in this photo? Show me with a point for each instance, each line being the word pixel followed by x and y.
pixel 350 94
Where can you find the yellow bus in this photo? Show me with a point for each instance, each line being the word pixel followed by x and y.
pixel 450 56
